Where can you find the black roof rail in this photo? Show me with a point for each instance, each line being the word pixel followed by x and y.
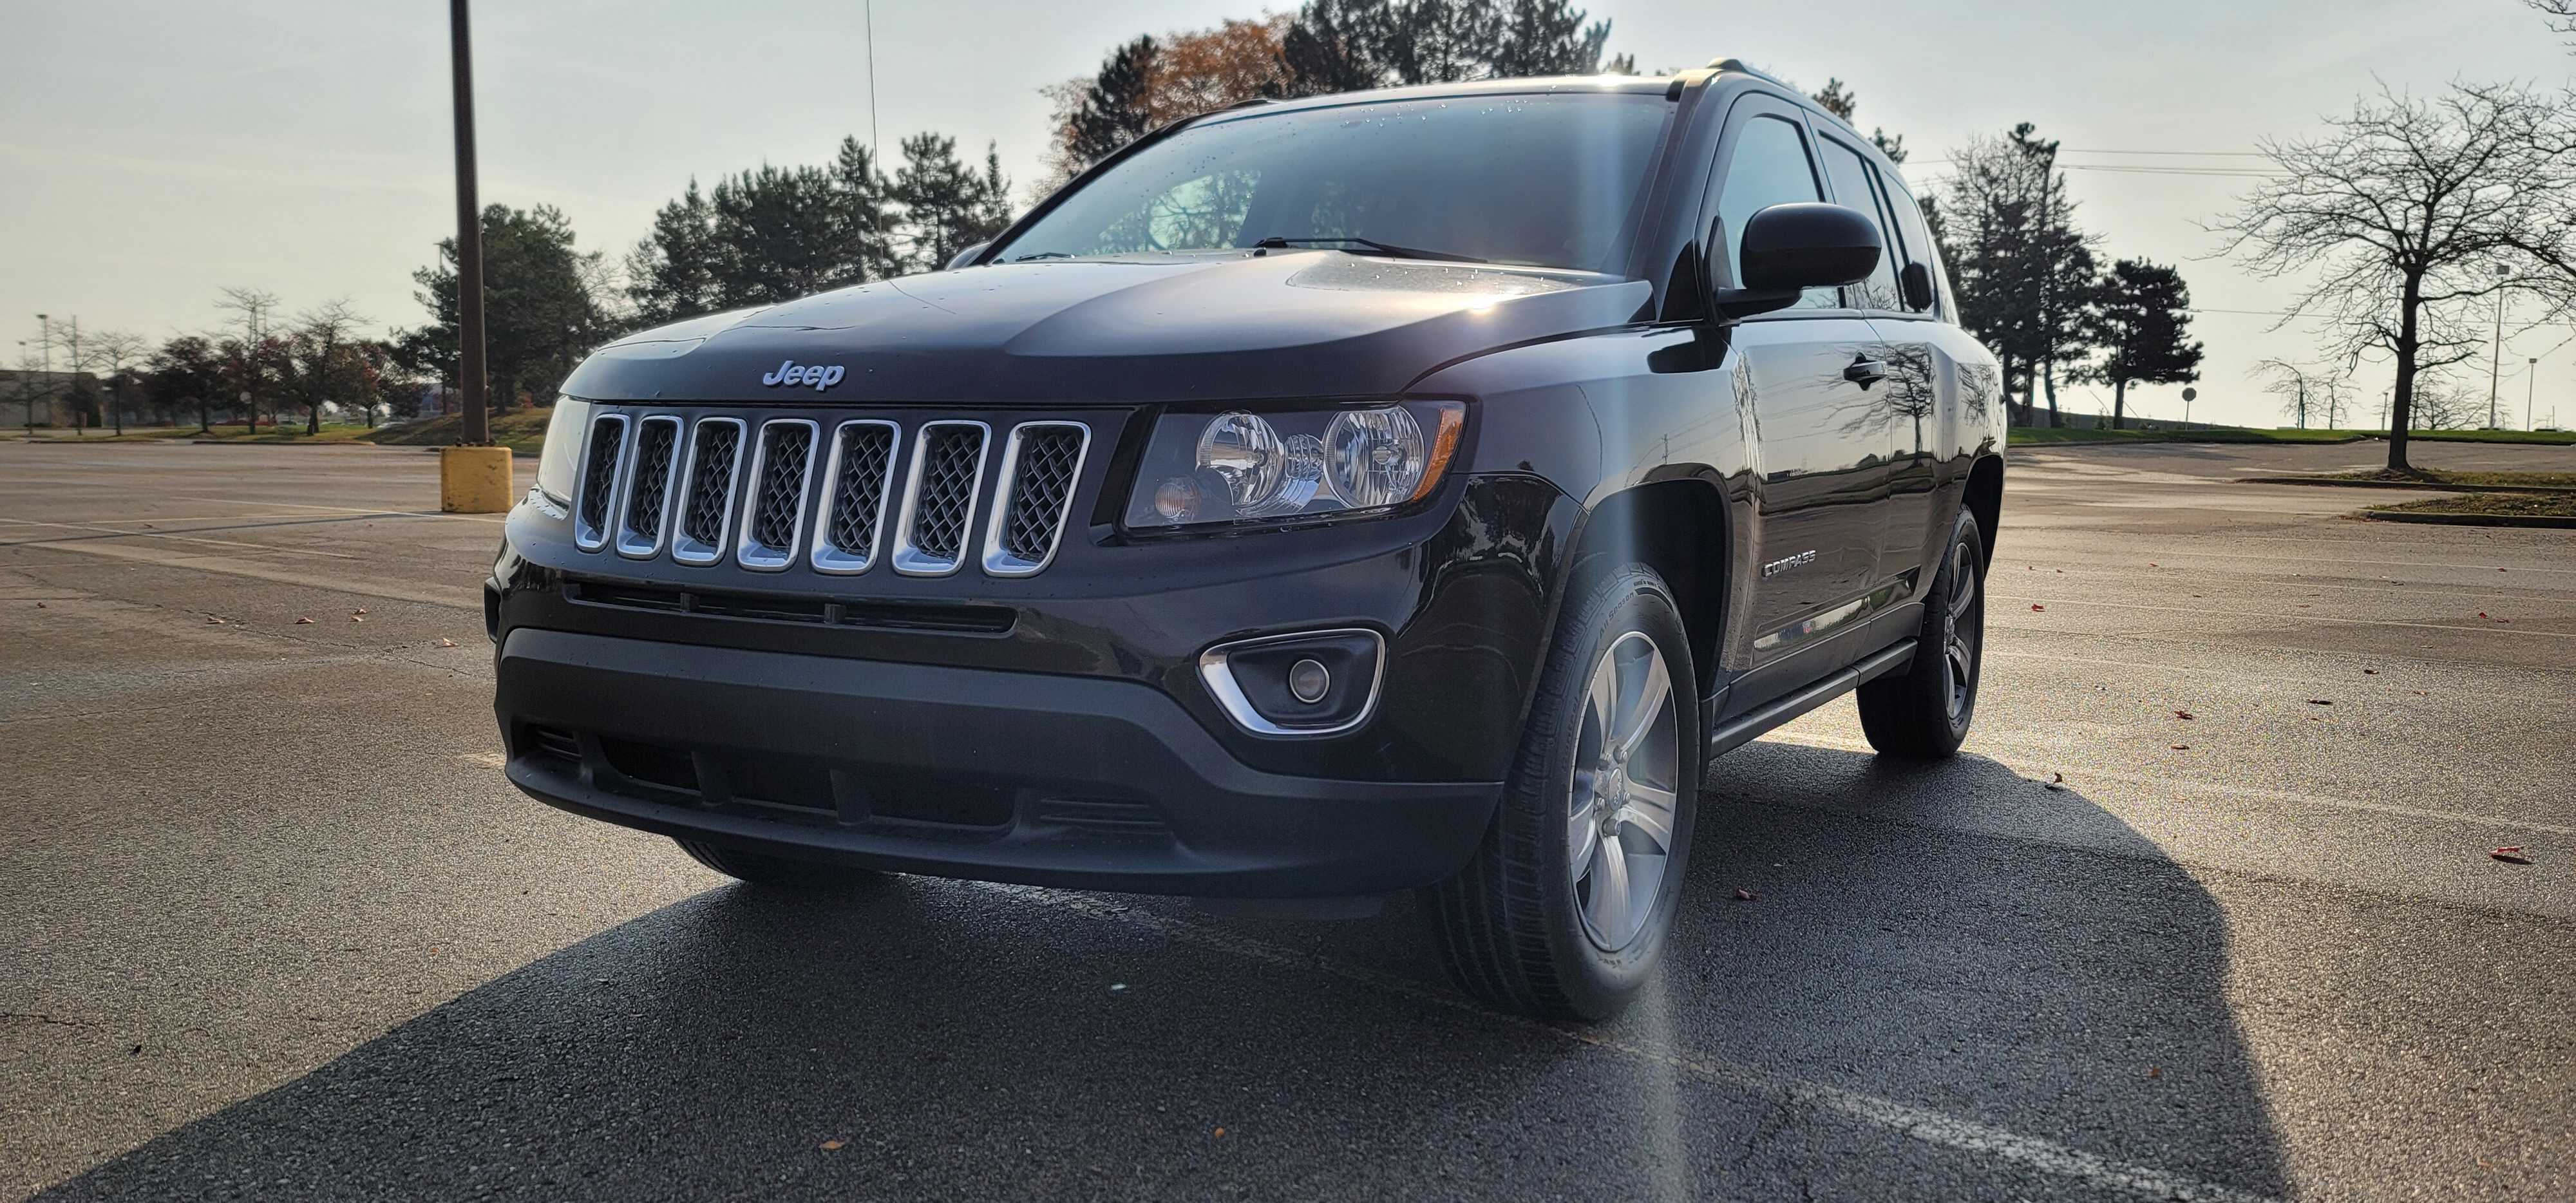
pixel 1737 64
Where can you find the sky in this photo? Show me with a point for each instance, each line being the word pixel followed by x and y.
pixel 153 152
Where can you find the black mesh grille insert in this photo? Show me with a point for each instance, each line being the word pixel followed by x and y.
pixel 866 453
pixel 779 496
pixel 1048 456
pixel 709 480
pixel 949 456
pixel 606 439
pixel 655 444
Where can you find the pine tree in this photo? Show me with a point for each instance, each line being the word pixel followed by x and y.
pixel 541 308
pixel 2140 315
pixel 2021 269
pixel 947 206
pixel 1118 108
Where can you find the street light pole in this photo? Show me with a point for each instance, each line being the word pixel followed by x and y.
pixel 474 477
pixel 469 237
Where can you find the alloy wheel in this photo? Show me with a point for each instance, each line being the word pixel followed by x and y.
pixel 1619 817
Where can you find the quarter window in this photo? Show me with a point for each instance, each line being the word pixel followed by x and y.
pixel 1769 167
pixel 1918 237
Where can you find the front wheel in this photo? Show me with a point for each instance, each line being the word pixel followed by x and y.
pixel 1926 711
pixel 1564 909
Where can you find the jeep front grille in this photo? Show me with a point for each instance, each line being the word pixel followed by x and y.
pixel 779 469
pixel 1039 469
pixel 854 498
pixel 764 488
pixel 714 447
pixel 648 487
pixel 598 481
pixel 939 497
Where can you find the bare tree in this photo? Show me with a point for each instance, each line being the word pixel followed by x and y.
pixel 2306 390
pixel 2406 212
pixel 320 348
pixel 2561 13
pixel 252 309
pixel 111 355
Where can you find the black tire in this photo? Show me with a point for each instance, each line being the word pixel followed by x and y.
pixel 780 872
pixel 1521 925
pixel 1926 710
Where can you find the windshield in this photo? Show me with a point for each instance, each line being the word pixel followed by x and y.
pixel 1534 180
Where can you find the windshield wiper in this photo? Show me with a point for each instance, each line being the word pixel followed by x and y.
pixel 1384 248
pixel 1040 255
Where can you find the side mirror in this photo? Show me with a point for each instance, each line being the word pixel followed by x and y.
pixel 1916 280
pixel 1788 249
pixel 966 256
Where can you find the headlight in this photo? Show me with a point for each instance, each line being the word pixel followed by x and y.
pixel 1241 466
pixel 562 455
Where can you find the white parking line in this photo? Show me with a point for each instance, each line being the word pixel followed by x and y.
pixel 1905 1119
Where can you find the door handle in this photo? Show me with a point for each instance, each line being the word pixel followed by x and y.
pixel 1865 371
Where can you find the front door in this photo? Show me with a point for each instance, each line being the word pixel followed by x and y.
pixel 1805 375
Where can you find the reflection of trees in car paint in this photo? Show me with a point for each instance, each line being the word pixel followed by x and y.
pixel 1979 385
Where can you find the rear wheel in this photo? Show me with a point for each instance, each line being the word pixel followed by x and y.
pixel 783 872
pixel 1926 711
pixel 1564 909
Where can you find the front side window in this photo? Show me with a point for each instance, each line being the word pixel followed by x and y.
pixel 1769 167
pixel 1547 181
pixel 1851 175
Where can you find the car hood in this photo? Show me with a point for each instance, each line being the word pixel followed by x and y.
pixel 1093 331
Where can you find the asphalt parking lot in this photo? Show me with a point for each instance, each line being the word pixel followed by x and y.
pixel 278 929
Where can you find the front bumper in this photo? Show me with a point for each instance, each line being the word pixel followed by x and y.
pixel 1041 779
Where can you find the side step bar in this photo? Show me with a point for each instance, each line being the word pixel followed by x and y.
pixel 1745 728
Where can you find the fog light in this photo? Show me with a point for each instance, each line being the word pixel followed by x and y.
pixel 1309 680
pixel 1310 683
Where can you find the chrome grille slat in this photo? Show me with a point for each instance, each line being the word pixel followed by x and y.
pixel 774 520
pixel 856 484
pixel 601 454
pixel 648 487
pixel 715 449
pixel 939 497
pixel 1040 468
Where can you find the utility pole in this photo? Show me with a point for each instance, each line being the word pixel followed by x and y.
pixel 474 476
pixel 2530 386
pixel 2495 365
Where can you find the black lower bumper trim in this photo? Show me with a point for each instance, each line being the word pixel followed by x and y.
pixel 1101 784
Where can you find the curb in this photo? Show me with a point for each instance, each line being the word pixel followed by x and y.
pixel 2422 487
pixel 2542 521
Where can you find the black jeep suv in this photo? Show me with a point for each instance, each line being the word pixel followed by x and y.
pixel 1399 490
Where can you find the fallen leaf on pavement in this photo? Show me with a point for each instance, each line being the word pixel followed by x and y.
pixel 2037 606
pixel 2184 715
pixel 2155 1071
pixel 2320 702
pixel 214 620
pixel 1746 896
pixel 2181 747
pixel 2511 856
pixel 2057 777
pixel 830 1145
pixel 355 618
pixel 359 610
pixel 446 643
pixel 2370 672
pixel 1220 1131
pixel 304 622
pixel 40 605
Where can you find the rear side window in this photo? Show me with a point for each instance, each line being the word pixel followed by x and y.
pixel 1852 189
pixel 1918 237
pixel 1769 167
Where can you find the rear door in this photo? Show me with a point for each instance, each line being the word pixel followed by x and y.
pixel 1820 463
pixel 1905 412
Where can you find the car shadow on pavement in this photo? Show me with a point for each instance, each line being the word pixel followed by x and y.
pixel 1907 1010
